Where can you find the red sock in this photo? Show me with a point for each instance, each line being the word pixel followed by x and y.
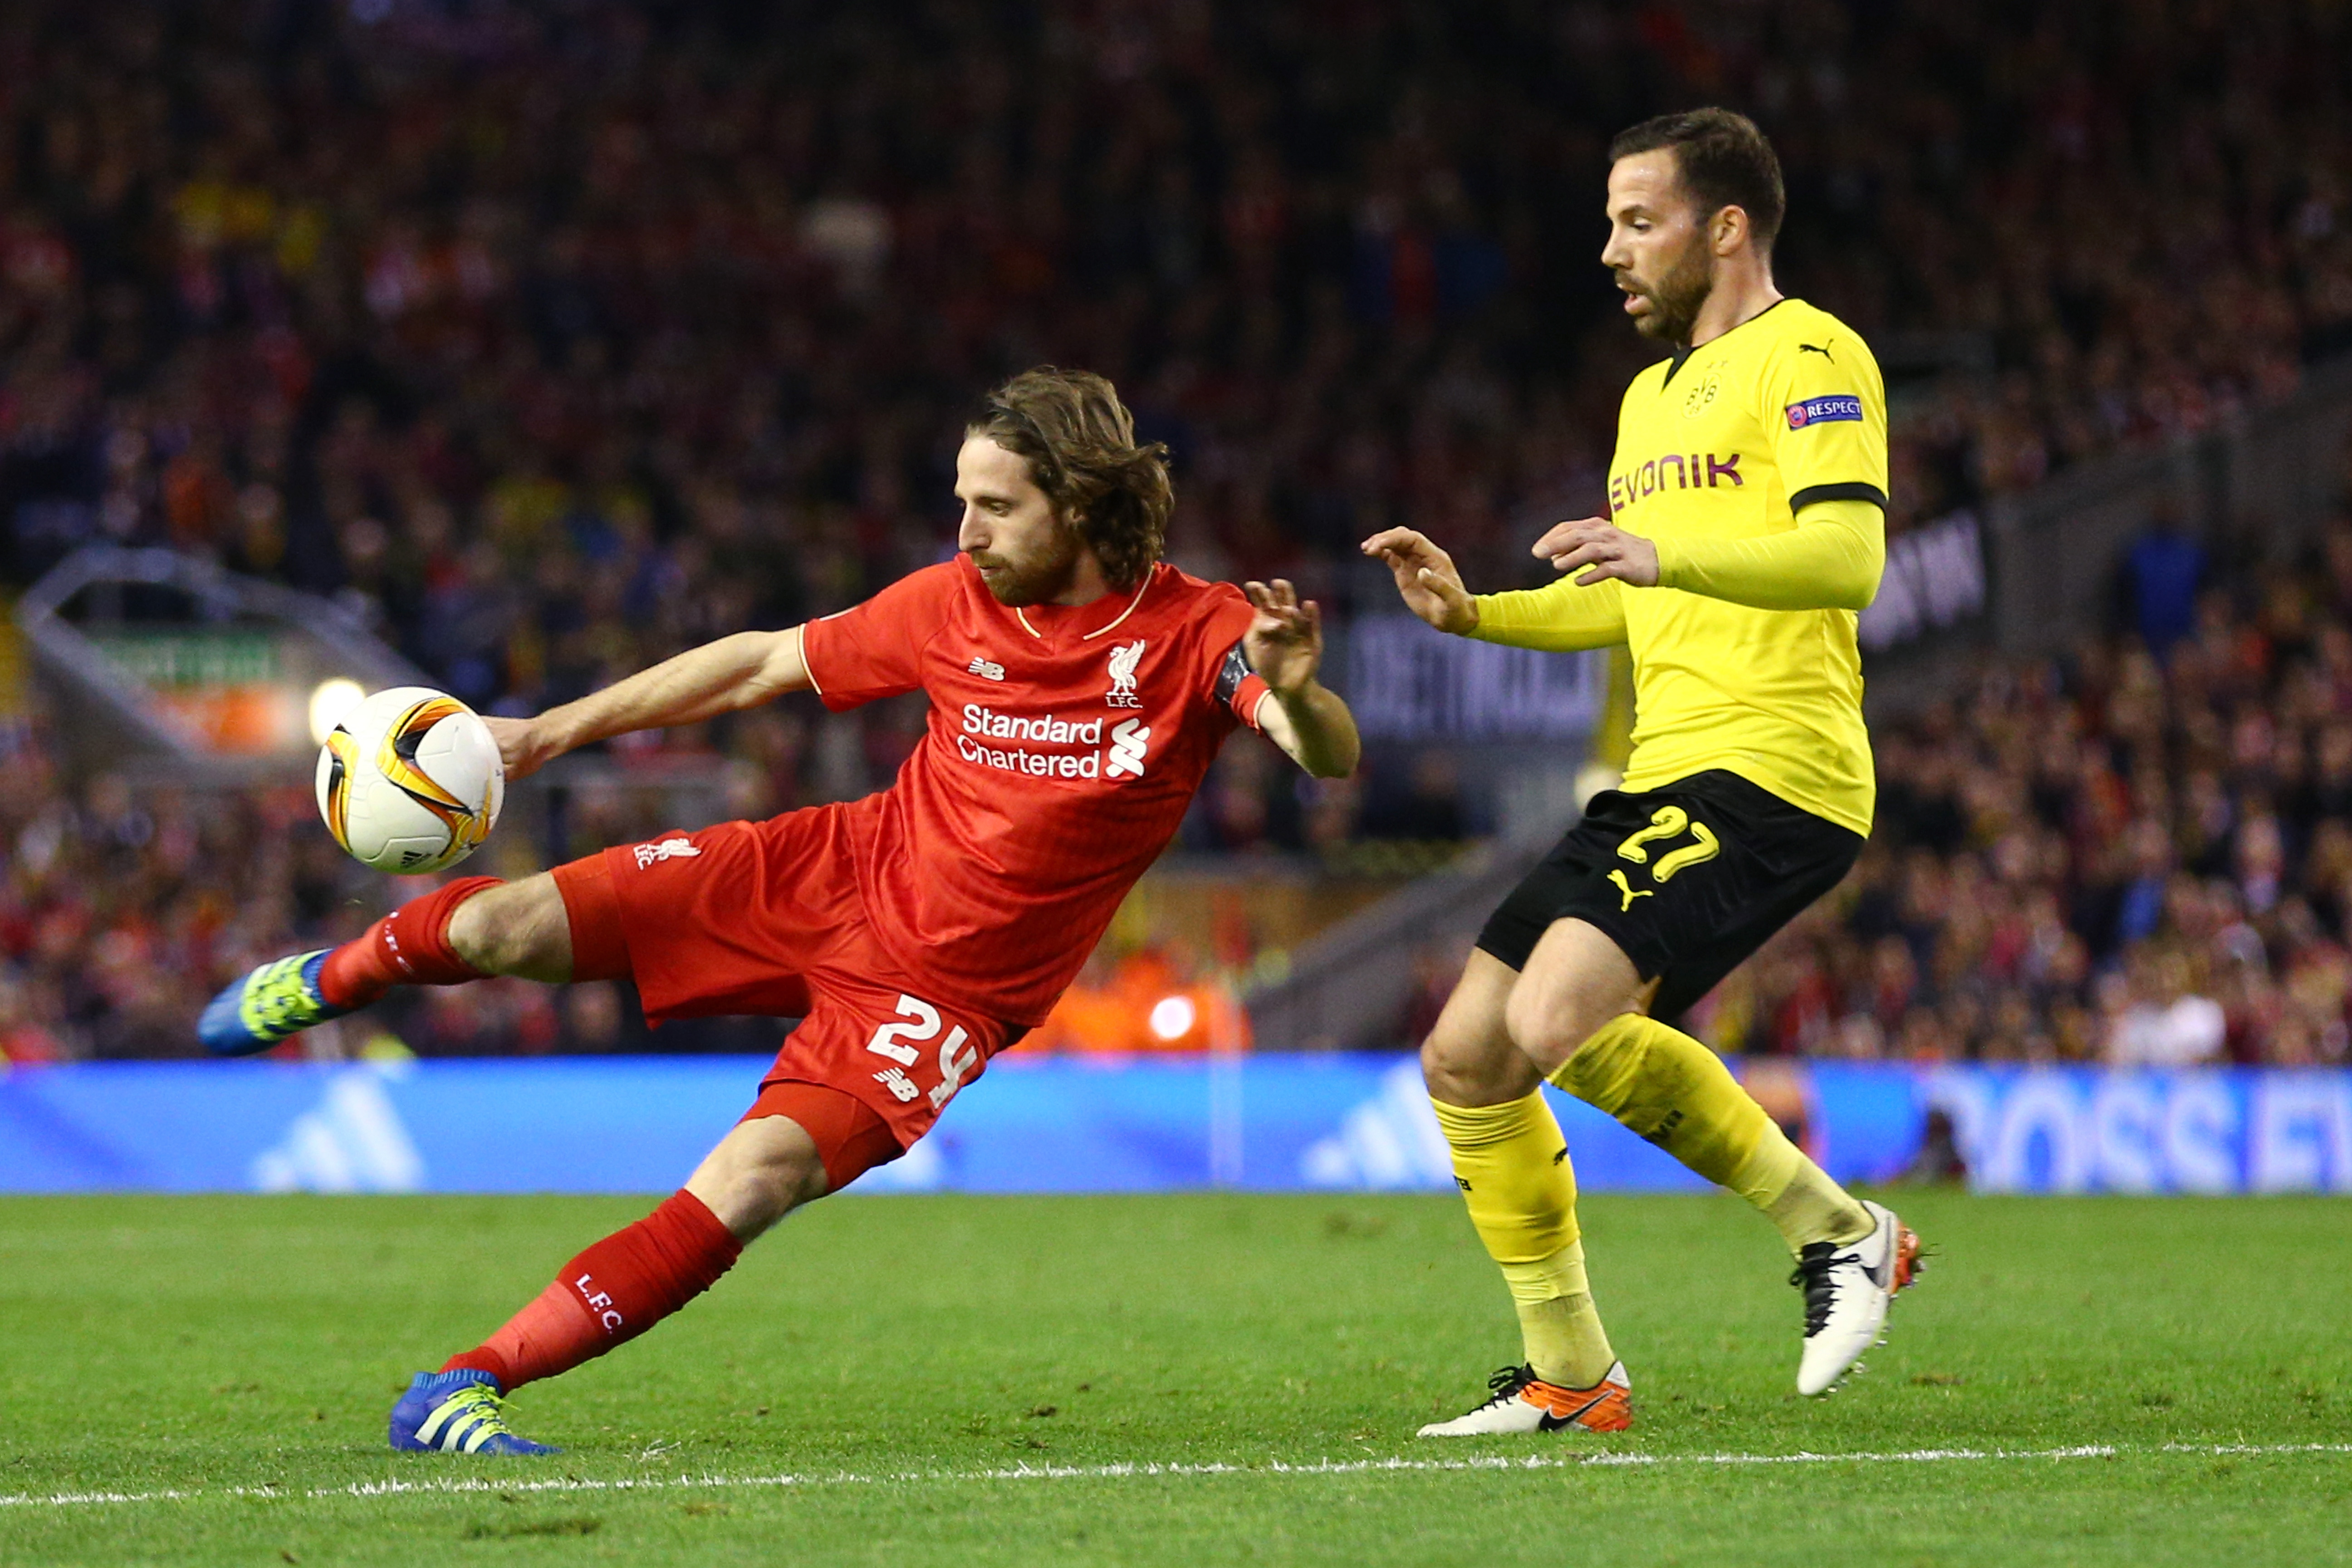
pixel 409 946
pixel 610 1294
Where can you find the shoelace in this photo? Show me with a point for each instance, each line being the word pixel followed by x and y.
pixel 1814 1266
pixel 1506 1383
pixel 476 1401
pixel 280 984
pixel 281 993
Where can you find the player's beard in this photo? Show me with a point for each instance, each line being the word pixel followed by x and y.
pixel 1676 298
pixel 1016 581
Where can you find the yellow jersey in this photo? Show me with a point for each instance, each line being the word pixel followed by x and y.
pixel 1744 655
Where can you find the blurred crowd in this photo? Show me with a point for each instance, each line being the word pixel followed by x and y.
pixel 2140 854
pixel 561 336
pixel 555 338
pixel 122 909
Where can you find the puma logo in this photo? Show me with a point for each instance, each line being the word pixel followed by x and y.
pixel 1817 348
pixel 1628 888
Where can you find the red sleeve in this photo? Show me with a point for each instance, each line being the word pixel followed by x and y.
pixel 874 649
pixel 1230 681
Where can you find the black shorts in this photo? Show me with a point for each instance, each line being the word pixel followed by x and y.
pixel 1689 881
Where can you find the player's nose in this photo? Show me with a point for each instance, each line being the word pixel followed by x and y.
pixel 971 534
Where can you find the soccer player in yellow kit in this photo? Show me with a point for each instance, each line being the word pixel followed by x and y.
pixel 1747 526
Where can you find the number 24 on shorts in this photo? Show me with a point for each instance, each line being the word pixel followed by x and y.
pixel 919 1020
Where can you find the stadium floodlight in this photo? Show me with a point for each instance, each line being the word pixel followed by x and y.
pixel 330 702
pixel 1172 1017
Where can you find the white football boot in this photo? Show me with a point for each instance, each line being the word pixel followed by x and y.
pixel 1846 1291
pixel 1522 1402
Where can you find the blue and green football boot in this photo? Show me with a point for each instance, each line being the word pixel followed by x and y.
pixel 277 999
pixel 456 1413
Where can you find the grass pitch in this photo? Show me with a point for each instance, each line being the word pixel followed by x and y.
pixel 992 1381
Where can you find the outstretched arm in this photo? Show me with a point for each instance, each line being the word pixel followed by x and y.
pixel 1830 561
pixel 1560 617
pixel 1298 712
pixel 734 672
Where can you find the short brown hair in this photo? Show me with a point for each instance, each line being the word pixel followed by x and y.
pixel 1080 442
pixel 1724 162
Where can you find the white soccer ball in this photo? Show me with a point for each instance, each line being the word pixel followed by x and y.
pixel 410 781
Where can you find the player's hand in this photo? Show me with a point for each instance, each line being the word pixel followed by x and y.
pixel 523 746
pixel 1426 578
pixel 1601 550
pixel 1285 644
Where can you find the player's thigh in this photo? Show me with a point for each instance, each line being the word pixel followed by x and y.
pixel 1577 978
pixel 1703 967
pixel 734 918
pixel 1469 1057
pixel 515 927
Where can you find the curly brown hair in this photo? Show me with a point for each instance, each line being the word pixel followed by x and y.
pixel 1080 443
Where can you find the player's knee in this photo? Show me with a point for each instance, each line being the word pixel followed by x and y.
pixel 515 927
pixel 1472 1066
pixel 1548 1027
pixel 1444 1072
pixel 759 1172
pixel 761 1193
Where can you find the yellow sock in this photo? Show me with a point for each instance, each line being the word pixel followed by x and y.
pixel 1511 1162
pixel 1558 1324
pixel 1671 1091
pixel 1798 1195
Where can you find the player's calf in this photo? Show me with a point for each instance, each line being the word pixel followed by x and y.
pixel 465 930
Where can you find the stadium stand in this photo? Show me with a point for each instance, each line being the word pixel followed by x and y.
pixel 2113 856
pixel 555 339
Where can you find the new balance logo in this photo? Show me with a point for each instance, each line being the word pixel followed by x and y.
pixel 1123 661
pixel 1127 739
pixel 953 1064
pixel 667 849
pixel 986 669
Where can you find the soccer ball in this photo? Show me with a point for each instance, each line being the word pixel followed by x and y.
pixel 410 781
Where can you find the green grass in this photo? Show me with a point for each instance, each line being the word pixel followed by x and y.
pixel 897 1354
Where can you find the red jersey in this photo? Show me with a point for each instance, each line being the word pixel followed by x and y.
pixel 1064 745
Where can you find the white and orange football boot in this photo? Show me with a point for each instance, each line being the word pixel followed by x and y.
pixel 1847 1290
pixel 1522 1402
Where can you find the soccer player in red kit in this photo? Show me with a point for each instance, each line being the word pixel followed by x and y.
pixel 1080 687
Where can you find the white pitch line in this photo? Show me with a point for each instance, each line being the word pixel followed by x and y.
pixel 1145 1470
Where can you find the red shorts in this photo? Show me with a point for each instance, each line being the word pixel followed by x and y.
pixel 765 918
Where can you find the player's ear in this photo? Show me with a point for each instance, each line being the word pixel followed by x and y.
pixel 1729 227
